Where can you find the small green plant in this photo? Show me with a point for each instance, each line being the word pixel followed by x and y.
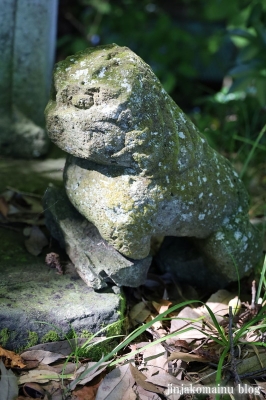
pixel 95 349
pixel 32 339
pixel 4 336
pixel 115 329
pixel 51 336
pixel 249 34
pixel 129 339
pixel 86 334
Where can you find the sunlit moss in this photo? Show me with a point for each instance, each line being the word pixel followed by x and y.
pixel 51 336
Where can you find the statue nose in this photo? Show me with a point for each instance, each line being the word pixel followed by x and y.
pixel 82 101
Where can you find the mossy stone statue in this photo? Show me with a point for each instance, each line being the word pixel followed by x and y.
pixel 138 167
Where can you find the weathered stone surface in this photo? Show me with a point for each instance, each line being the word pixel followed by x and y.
pixel 27 44
pixel 34 299
pixel 139 167
pixel 96 261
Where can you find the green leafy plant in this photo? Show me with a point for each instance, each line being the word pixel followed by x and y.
pixel 51 336
pixel 96 349
pixel 4 336
pixel 129 339
pixel 249 71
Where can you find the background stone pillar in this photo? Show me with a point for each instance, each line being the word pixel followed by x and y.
pixel 27 45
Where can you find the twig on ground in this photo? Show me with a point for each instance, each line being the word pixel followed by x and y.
pixel 38 196
pixel 5 226
pixel 253 295
pixel 259 373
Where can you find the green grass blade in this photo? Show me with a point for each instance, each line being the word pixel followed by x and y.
pixel 159 340
pixel 262 277
pixel 137 332
pixel 252 151
pixel 217 326
pixel 220 367
pixel 245 328
pixel 249 141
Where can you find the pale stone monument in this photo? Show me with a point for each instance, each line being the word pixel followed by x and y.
pixel 138 167
pixel 27 45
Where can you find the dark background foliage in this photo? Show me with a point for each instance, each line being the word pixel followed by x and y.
pixel 210 55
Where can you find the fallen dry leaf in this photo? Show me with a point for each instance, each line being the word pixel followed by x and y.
pixel 162 306
pixel 164 379
pixel 21 398
pixel 129 394
pixel 11 359
pixel 218 303
pixel 89 376
pixel 117 385
pixel 139 313
pixel 8 383
pixel 188 357
pixel 55 390
pixel 250 364
pixel 157 324
pixel 183 344
pixel 87 392
pixel 188 319
pixel 192 318
pixel 143 394
pixel 64 347
pixel 45 357
pixel 65 368
pixel 153 359
pixel 33 390
pixel 140 380
pixel 36 242
pixel 39 376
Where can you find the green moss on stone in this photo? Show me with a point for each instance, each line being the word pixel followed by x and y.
pixel 97 351
pixel 86 334
pixel 12 248
pixel 51 336
pixel 33 339
pixel 4 336
pixel 115 328
pixel 123 305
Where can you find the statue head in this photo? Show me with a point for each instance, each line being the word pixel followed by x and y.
pixel 109 107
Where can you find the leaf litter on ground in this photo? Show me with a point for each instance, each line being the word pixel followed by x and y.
pixel 24 212
pixel 192 332
pixel 187 358
pixel 8 383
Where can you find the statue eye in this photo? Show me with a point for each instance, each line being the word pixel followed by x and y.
pixel 82 101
